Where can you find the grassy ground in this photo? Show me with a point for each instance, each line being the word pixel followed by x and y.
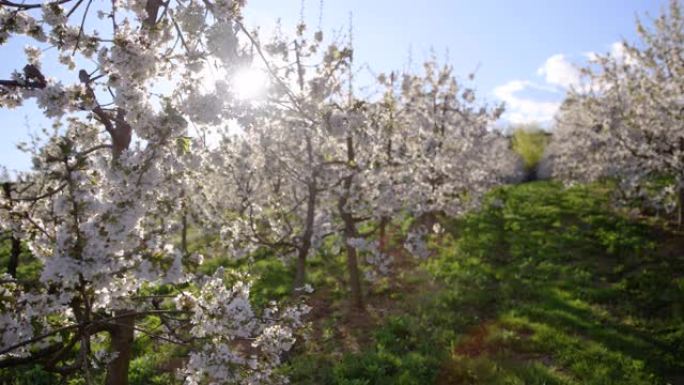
pixel 542 286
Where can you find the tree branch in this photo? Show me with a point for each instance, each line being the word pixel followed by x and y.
pixel 29 6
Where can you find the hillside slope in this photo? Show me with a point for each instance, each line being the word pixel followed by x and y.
pixel 542 286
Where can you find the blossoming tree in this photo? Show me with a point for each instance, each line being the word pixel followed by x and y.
pixel 95 208
pixel 626 122
pixel 279 163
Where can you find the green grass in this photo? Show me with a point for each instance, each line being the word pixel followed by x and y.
pixel 542 286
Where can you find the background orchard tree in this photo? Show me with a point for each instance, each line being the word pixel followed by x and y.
pixel 280 164
pixel 579 151
pixel 347 124
pixel 425 147
pixel 95 212
pixel 631 109
pixel 446 141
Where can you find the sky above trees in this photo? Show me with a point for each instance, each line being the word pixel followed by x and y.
pixel 522 52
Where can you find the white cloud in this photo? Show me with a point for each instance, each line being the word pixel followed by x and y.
pixel 558 75
pixel 521 110
pixel 560 72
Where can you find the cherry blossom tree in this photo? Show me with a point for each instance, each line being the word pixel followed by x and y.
pixel 280 164
pixel 116 181
pixel 425 147
pixel 95 208
pixel 626 122
pixel 438 148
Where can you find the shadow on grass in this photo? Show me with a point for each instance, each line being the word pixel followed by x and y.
pixel 585 277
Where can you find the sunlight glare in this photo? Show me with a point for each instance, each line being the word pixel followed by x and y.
pixel 250 83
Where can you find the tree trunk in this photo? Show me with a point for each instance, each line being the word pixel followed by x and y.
pixel 353 268
pixel 349 233
pixel 16 243
pixel 382 243
pixel 680 205
pixel 303 250
pixel 352 259
pixel 184 233
pixel 184 226
pixel 14 257
pixel 121 331
pixel 300 273
pixel 122 336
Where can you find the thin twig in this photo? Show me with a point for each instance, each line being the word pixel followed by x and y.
pixel 73 9
pixel 29 6
pixel 80 30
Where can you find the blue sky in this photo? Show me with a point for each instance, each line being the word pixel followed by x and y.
pixel 522 50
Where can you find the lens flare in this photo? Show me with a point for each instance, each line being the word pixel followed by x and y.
pixel 250 83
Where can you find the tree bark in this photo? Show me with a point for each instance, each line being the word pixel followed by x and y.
pixel 16 243
pixel 353 268
pixel 184 225
pixel 382 243
pixel 300 266
pixel 680 205
pixel 14 257
pixel 122 336
pixel 122 333
pixel 184 233
pixel 349 233
pixel 305 246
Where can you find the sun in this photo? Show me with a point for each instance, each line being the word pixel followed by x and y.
pixel 250 83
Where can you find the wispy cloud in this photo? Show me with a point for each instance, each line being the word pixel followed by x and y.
pixel 558 71
pixel 521 110
pixel 557 75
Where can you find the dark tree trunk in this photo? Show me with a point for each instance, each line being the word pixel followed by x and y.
pixel 680 205
pixel 382 243
pixel 305 246
pixel 122 336
pixel 353 268
pixel 349 233
pixel 184 233
pixel 16 243
pixel 122 331
pixel 184 225
pixel 300 266
pixel 303 251
pixel 14 257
